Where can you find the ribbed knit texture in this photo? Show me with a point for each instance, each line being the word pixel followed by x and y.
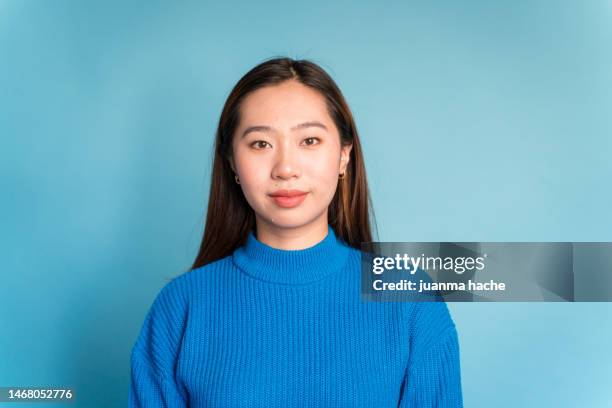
pixel 267 327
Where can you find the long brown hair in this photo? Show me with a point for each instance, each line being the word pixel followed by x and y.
pixel 230 218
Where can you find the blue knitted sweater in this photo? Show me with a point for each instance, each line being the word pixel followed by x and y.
pixel 267 327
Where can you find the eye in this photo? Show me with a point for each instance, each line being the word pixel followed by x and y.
pixel 259 144
pixel 310 141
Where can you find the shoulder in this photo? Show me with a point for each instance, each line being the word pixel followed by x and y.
pixel 429 322
pixel 353 265
pixel 183 284
pixel 356 255
pixel 177 293
pixel 166 318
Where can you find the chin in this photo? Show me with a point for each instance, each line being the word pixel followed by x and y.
pixel 289 219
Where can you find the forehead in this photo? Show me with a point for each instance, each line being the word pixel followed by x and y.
pixel 284 104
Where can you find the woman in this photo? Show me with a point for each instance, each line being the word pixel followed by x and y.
pixel 270 313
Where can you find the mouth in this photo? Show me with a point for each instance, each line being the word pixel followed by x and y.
pixel 288 198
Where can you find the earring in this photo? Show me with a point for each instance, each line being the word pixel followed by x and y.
pixel 236 178
pixel 341 177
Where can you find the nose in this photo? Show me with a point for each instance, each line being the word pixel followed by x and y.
pixel 286 163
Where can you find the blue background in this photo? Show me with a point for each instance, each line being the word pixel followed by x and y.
pixel 480 121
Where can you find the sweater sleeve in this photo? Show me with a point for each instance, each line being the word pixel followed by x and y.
pixel 153 359
pixel 433 375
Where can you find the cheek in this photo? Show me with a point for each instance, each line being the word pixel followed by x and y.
pixel 254 179
pixel 324 173
pixel 249 176
pixel 249 166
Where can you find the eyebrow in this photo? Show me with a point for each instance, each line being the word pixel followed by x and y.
pixel 296 127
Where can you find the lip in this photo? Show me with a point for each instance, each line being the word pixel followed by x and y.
pixel 288 198
pixel 287 193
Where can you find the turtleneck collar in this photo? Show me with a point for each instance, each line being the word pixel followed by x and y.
pixel 292 266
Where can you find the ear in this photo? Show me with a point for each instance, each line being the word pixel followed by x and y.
pixel 345 156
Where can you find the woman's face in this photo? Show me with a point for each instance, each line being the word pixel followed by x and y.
pixel 286 140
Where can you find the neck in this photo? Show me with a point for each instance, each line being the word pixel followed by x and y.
pixel 301 237
pixel 292 266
